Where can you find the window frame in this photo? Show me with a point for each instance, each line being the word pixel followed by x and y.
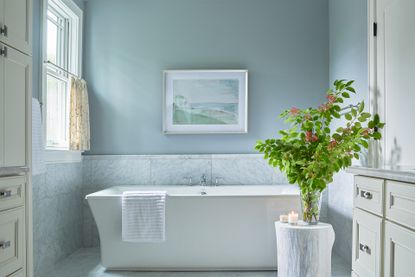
pixel 54 155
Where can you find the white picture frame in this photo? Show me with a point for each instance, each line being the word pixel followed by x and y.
pixel 205 102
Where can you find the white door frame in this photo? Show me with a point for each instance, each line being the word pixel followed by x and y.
pixel 376 100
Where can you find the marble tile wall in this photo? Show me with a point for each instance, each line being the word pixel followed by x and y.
pixel 57 215
pixel 340 214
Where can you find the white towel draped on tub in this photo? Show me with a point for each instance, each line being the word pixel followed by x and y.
pixel 143 216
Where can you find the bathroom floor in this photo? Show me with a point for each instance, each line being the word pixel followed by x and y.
pixel 85 263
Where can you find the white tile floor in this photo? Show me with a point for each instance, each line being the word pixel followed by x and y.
pixel 85 263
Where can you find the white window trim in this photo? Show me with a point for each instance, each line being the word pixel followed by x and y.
pixel 53 155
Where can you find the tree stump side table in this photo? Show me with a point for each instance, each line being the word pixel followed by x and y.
pixel 304 250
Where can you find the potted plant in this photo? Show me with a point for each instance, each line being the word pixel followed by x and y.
pixel 309 152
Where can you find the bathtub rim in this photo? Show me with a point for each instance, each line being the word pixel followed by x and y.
pixel 110 193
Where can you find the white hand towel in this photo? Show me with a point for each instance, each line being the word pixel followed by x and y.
pixel 144 216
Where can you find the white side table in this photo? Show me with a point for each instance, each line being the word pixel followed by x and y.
pixel 304 250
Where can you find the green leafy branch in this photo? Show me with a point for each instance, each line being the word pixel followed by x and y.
pixel 309 152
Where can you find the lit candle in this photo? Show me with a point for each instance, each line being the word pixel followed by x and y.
pixel 293 218
pixel 283 218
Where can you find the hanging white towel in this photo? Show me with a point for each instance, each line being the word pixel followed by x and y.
pixel 38 147
pixel 144 216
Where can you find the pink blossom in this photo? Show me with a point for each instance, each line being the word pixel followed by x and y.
pixel 366 132
pixel 323 107
pixel 331 98
pixel 332 144
pixel 294 111
pixel 308 136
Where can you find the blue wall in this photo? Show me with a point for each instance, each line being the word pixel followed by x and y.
pixel 127 44
pixel 348 43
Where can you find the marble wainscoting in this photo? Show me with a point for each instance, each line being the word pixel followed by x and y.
pixel 57 214
pixel 340 214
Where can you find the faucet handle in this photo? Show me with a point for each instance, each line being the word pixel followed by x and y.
pixel 217 180
pixel 189 178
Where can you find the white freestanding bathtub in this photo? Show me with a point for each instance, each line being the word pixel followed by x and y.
pixel 229 228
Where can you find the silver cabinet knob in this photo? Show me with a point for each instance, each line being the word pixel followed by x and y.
pixel 5 193
pixel 3 51
pixel 366 194
pixel 3 30
pixel 364 248
pixel 5 244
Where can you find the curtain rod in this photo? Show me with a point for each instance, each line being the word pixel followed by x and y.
pixel 63 69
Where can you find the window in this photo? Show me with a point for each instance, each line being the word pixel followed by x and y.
pixel 62 58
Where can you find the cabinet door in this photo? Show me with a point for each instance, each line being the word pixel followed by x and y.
pixel 16 69
pixel 399 251
pixel 367 244
pixel 12 244
pixel 15 24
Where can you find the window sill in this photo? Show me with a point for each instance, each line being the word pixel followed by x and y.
pixel 62 156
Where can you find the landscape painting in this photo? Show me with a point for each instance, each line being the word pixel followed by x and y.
pixel 205 101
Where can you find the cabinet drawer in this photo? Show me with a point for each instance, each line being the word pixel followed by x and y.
pixel 367 238
pixel 400 203
pixel 12 248
pixel 399 251
pixel 12 192
pixel 369 194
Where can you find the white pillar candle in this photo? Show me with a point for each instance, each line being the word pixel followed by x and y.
pixel 284 218
pixel 293 218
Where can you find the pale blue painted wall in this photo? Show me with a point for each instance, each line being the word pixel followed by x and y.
pixel 348 60
pixel 348 43
pixel 283 44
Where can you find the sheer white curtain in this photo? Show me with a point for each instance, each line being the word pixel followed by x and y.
pixel 79 130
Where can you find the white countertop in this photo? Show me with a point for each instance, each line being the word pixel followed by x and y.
pixel 403 174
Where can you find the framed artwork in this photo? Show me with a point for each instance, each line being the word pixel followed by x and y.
pixel 205 101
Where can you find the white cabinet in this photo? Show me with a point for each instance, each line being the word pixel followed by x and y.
pixel 15 24
pixel 12 242
pixel 367 245
pixel 399 251
pixel 15 138
pixel 368 194
pixel 15 77
pixel 383 229
pixel 400 203
pixel 12 192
